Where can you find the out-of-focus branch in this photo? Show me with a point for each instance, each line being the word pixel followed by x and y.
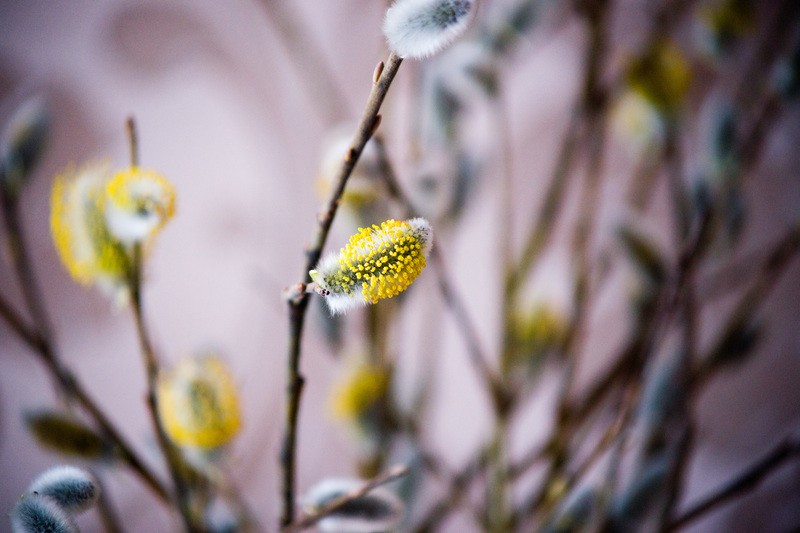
pixel 593 107
pixel 311 64
pixel 171 454
pixel 309 520
pixel 451 297
pixel 748 480
pixel 769 273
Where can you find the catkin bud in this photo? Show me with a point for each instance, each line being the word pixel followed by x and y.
pixel 74 489
pixel 378 262
pixel 421 28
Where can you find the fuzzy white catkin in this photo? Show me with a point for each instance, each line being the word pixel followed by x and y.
pixel 72 488
pixel 34 514
pixel 378 510
pixel 421 28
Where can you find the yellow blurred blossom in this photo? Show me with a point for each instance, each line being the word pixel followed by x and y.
pixel 360 389
pixel 639 124
pixel 97 215
pixel 536 331
pixel 662 76
pixel 77 220
pixel 198 403
pixel 139 203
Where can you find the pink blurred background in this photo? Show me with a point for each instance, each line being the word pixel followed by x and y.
pixel 227 114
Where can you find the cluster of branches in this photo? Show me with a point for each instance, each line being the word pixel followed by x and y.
pixel 675 285
pixel 642 405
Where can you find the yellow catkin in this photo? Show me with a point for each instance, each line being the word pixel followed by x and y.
pixel 359 391
pixel 378 262
pixel 386 259
pixel 121 190
pixel 78 227
pixel 198 403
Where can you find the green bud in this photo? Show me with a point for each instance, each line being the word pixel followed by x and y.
pixel 66 435
pixel 735 345
pixel 644 253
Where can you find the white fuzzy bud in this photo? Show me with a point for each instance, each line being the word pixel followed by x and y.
pixel 421 28
pixel 74 489
pixel 34 514
pixel 378 510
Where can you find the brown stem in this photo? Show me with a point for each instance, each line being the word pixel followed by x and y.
pixel 169 451
pixel 454 492
pixel 298 304
pixel 593 109
pixel 311 519
pixel 682 220
pixel 744 482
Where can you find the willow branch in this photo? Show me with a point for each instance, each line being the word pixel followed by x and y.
pixel 169 451
pixel 593 108
pixel 309 520
pixel 741 484
pixel 455 491
pixel 298 300
pixel 683 222
pixel 17 324
pixel 151 363
pixel 769 273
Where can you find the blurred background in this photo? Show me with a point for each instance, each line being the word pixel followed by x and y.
pixel 234 103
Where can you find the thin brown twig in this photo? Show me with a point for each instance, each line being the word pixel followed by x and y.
pixel 309 520
pixel 18 325
pixel 682 415
pixel 542 227
pixel 454 492
pixel 298 300
pixel 593 107
pixel 170 453
pixel 769 273
pixel 746 481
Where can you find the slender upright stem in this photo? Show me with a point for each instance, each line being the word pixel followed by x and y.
pixel 683 221
pixel 452 298
pixel 593 109
pixel 170 452
pixel 133 140
pixel 298 304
